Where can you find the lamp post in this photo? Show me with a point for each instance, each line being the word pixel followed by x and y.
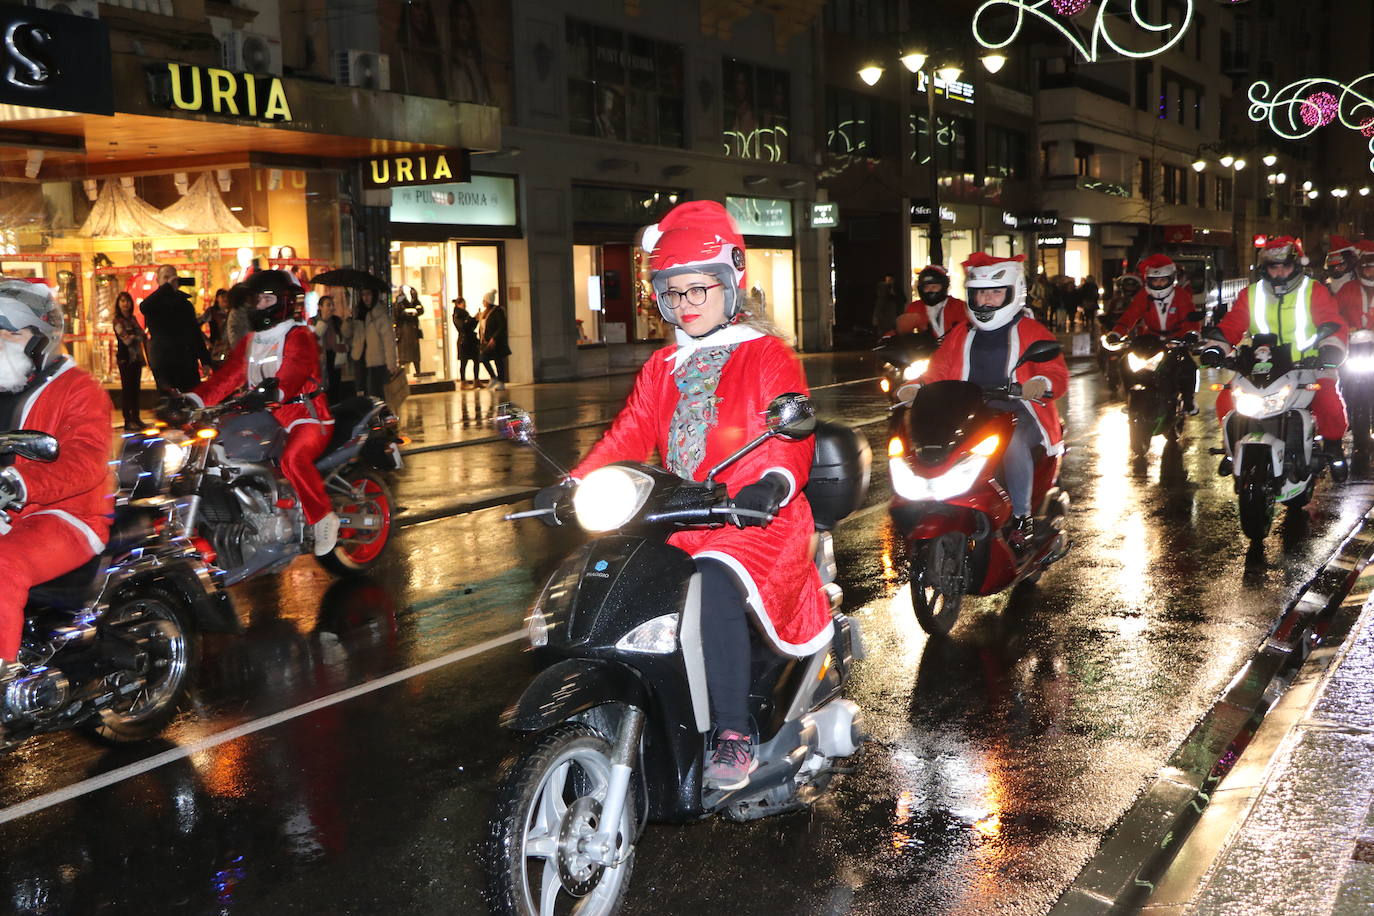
pixel 915 62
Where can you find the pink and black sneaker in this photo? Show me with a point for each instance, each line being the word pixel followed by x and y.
pixel 732 760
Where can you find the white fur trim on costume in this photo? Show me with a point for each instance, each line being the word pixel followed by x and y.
pixel 195 397
pixel 92 538
pixel 687 344
pixel 29 401
pixel 810 647
pixel 295 423
pixel 791 483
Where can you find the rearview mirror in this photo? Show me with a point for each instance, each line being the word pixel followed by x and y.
pixel 514 424
pixel 791 415
pixel 30 444
pixel 1041 351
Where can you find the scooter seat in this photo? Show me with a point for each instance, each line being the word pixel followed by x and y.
pixel 347 414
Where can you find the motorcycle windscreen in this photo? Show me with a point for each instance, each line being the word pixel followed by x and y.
pixel 1146 345
pixel 254 437
pixel 941 416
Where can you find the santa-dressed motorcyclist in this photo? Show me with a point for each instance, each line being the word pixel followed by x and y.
pixel 1285 302
pixel 934 309
pixel 984 350
pixel 1339 267
pixel 282 347
pixel 1164 307
pixel 56 515
pixel 1356 300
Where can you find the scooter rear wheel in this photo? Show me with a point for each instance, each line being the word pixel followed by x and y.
pixel 549 799
pixel 939 578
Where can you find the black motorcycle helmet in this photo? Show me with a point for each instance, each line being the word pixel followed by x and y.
pixel 277 283
pixel 931 275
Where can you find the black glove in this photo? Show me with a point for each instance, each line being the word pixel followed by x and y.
pixel 1331 356
pixel 764 496
pixel 554 497
pixel 1113 338
pixel 177 410
pixel 1212 357
pixel 13 493
pixel 259 396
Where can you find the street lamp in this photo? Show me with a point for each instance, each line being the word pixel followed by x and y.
pixel 1269 159
pixel 871 74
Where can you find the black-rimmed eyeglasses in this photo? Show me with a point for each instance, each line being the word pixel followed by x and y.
pixel 692 295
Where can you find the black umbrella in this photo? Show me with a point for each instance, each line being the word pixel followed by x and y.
pixel 351 278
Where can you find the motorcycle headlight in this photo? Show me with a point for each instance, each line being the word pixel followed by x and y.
pixel 1111 347
pixel 609 497
pixel 885 385
pixel 948 485
pixel 655 637
pixel 1259 406
pixel 1361 364
pixel 1137 364
pixel 915 370
pixel 174 455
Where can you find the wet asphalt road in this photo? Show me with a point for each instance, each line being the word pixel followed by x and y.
pixel 998 757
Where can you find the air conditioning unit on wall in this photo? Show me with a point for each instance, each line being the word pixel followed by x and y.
pixel 249 52
pixel 364 69
pixel 87 8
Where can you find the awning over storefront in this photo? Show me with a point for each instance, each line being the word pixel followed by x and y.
pixel 146 134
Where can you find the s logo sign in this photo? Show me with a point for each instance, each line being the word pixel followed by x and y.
pixel 29 65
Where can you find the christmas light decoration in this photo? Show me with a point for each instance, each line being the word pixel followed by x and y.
pixel 1296 110
pixel 1110 14
pixel 1319 109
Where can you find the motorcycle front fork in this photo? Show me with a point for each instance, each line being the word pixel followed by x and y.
pixel 601 847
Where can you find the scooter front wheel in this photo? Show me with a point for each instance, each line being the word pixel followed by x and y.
pixel 939 578
pixel 1254 501
pixel 548 803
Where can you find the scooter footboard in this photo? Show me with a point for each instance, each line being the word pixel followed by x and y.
pixel 573 686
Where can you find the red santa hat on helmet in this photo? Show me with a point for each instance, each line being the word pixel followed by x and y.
pixel 984 271
pixel 1156 265
pixel 1340 243
pixel 1281 248
pixel 696 237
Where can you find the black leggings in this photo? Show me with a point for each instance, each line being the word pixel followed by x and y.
pixel 725 643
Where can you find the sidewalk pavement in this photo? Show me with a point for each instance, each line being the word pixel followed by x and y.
pixel 1290 830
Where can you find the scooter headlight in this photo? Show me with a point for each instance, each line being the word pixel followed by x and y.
pixel 1358 365
pixel 915 370
pixel 948 485
pixel 174 457
pixel 1112 347
pixel 537 628
pixel 1259 406
pixel 609 497
pixel 655 637
pixel 1137 364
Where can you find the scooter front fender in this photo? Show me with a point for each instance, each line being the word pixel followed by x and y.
pixel 573 686
pixel 925 522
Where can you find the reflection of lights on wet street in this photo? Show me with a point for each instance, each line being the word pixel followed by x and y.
pixel 989 826
pixel 911 639
pixel 889 573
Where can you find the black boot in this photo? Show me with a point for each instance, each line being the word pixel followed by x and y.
pixel 1335 458
pixel 1022 532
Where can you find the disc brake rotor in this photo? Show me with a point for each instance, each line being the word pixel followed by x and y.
pixel 578 873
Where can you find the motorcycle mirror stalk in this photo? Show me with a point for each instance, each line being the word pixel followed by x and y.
pixel 789 415
pixel 514 424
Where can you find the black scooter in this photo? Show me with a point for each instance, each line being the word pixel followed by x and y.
pixel 619 716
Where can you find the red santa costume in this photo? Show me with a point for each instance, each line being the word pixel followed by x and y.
pixel 64 518
pixel 1338 258
pixel 1165 314
pixel 933 310
pixel 289 353
pixel 1291 314
pixel 952 359
pixel 1356 298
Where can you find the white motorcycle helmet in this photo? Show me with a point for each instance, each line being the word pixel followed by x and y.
pixel 984 271
pixel 25 304
pixel 1161 276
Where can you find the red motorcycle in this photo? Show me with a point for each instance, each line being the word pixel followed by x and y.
pixel 949 501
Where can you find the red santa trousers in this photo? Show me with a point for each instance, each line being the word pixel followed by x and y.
pixel 36 549
pixel 304 445
pixel 1328 409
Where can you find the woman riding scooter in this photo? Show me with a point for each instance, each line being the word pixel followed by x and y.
pixel 696 403
pixel 985 350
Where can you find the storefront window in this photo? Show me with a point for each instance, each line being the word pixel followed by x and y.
pixel 958 245
pixel 623 86
pixel 757 112
pixel 92 239
pixel 587 293
pixel 770 287
pixel 441 272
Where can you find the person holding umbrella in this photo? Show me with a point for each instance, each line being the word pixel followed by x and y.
pixel 373 346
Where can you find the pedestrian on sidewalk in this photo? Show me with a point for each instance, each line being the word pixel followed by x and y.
pixel 130 356
pixel 469 347
pixel 373 349
pixel 175 345
pixel 331 331
pixel 495 348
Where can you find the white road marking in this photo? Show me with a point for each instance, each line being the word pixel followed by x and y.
pixel 95 783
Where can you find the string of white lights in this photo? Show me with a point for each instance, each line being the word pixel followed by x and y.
pixel 1101 32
